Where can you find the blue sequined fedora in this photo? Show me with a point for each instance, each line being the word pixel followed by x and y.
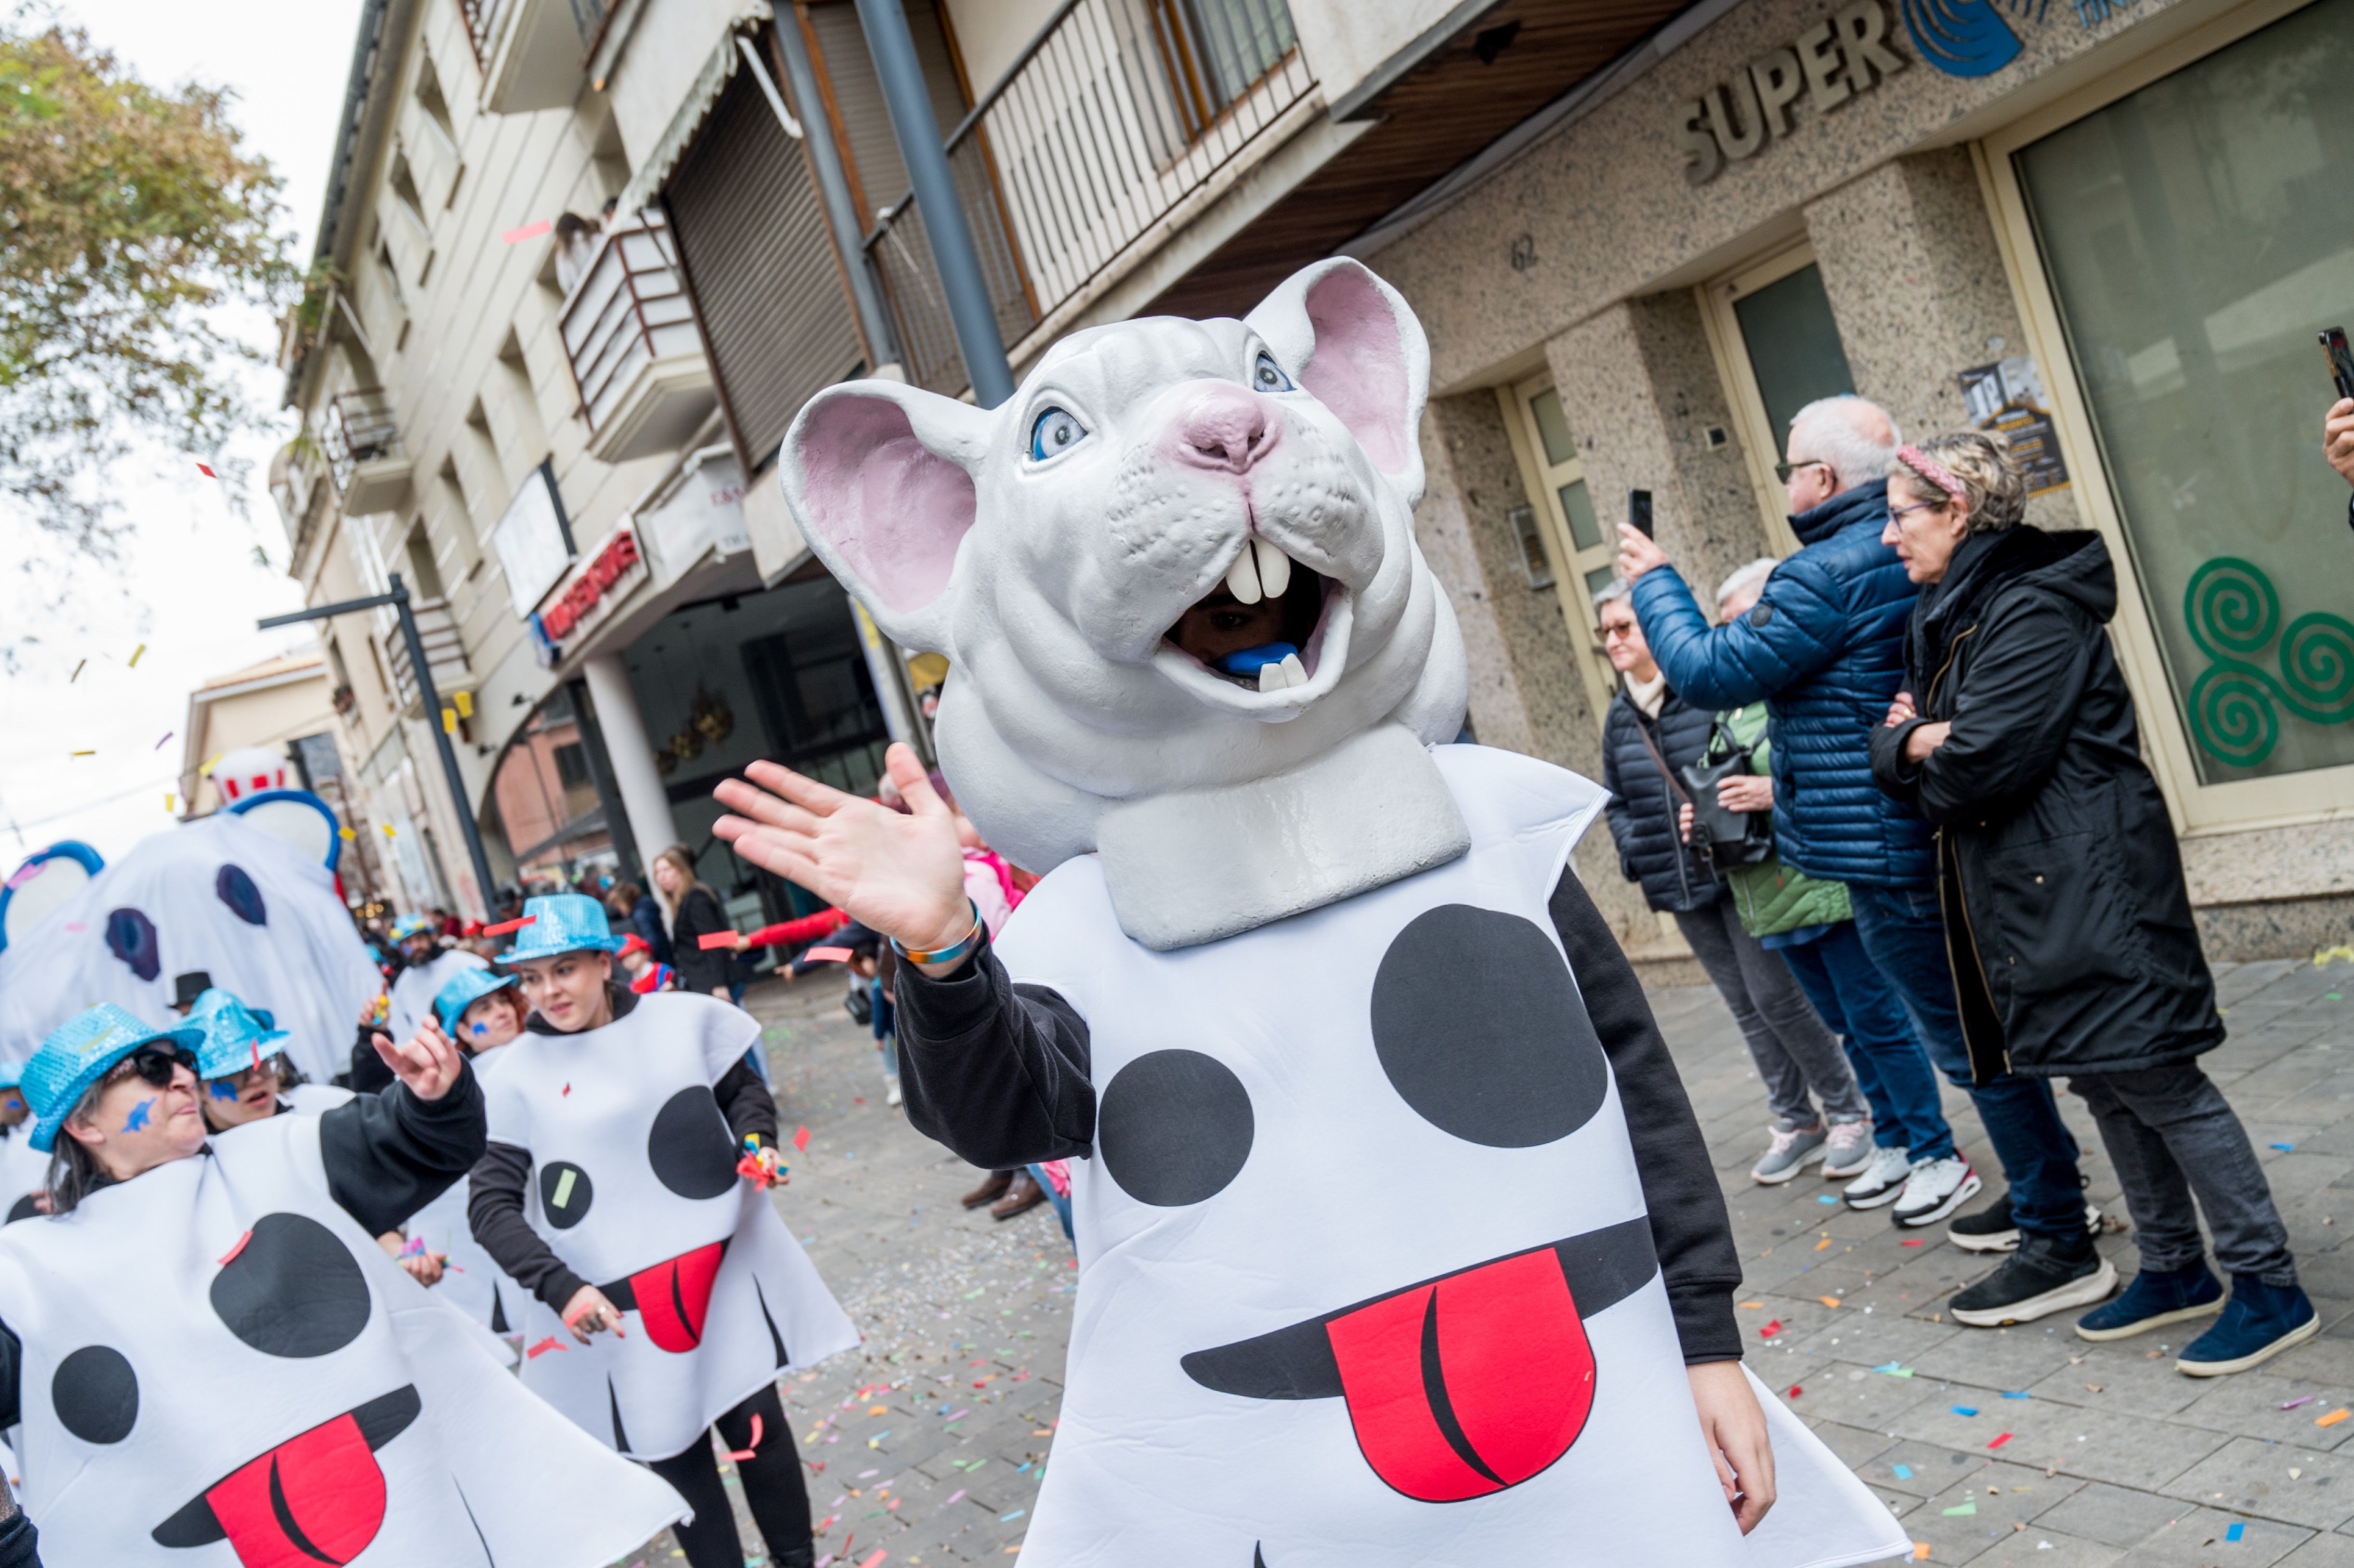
pixel 234 1034
pixel 77 1053
pixel 467 987
pixel 561 923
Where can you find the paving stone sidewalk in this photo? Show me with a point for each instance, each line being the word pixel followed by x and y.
pixel 2027 1445
pixel 928 1444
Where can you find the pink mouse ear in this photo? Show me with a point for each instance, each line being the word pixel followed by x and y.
pixel 878 476
pixel 1355 345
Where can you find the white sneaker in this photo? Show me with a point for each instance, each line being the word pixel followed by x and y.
pixel 1881 1179
pixel 1935 1188
pixel 1848 1151
pixel 890 1088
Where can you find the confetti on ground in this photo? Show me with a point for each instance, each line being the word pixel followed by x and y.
pixel 1892 1370
pixel 533 231
pixel 1964 1410
pixel 1796 1390
pixel 1902 1472
pixel 2285 1148
pixel 2235 1531
pixel 1916 1243
pixel 2307 1399
pixel 1920 1552
pixel 1826 1198
pixel 1963 1511
pixel 1752 1305
pixel 2333 1417
pixel 2008 1394
pixel 1831 1301
pixel 1770 1329
pixel 1824 1245
pixel 1999 1441
pixel 955 1497
pixel 800 1140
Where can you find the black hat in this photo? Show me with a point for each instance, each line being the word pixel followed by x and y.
pixel 187 987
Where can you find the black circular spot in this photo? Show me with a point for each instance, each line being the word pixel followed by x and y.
pixel 237 890
pixel 130 937
pixel 1479 1027
pixel 292 1289
pixel 97 1394
pixel 1173 1128
pixel 690 1148
pixel 564 1193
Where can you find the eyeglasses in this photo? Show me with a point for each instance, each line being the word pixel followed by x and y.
pixel 1625 628
pixel 153 1063
pixel 1783 471
pixel 1898 514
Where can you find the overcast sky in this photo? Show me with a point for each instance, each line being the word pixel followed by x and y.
pixel 189 586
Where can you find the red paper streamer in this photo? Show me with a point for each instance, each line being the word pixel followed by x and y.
pixel 829 954
pixel 716 939
pixel 542 1348
pixel 740 1455
pixel 528 231
pixel 504 926
pixel 235 1250
pixel 800 1140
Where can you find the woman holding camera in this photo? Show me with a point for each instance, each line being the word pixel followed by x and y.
pixel 1649 736
pixel 2068 928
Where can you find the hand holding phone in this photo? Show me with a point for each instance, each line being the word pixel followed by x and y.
pixel 2335 349
pixel 1638 501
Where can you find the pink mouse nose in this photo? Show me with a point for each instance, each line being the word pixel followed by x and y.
pixel 1224 427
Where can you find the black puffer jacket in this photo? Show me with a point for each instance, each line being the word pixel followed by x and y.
pixel 2066 918
pixel 1643 807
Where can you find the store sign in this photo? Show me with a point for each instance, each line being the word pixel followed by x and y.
pixel 590 595
pixel 1828 64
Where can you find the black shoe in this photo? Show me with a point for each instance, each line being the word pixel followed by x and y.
pixel 1991 1229
pixel 2041 1277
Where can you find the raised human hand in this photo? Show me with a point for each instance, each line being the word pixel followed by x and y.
pixel 899 874
pixel 428 1062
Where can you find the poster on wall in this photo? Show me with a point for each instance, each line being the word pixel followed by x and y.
pixel 533 540
pixel 2007 397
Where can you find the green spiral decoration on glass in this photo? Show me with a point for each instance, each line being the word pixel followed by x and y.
pixel 2235 705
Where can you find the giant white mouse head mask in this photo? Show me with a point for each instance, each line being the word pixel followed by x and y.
pixel 1051 546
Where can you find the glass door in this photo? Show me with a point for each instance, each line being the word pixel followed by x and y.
pixel 1563 544
pixel 1778 349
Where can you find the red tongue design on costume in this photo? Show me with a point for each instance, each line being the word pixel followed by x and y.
pixel 1468 1385
pixel 675 1297
pixel 315 1499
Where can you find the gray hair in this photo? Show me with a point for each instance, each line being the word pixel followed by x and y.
pixel 1854 435
pixel 1753 574
pixel 1610 592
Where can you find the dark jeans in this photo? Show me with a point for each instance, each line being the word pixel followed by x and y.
pixel 1787 1039
pixel 1905 936
pixel 1859 1004
pixel 772 1484
pixel 2170 1133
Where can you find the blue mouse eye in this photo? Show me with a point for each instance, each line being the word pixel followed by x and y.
pixel 1266 376
pixel 1055 431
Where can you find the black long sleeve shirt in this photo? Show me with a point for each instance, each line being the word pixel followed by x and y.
pixel 386 1156
pixel 494 1197
pixel 999 1072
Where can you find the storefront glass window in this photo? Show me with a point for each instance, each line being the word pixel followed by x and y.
pixel 1793 345
pixel 2198 235
pixel 545 805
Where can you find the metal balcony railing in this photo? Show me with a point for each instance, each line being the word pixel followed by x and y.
pixel 531 52
pixel 359 429
pixel 629 309
pixel 481 26
pixel 1115 113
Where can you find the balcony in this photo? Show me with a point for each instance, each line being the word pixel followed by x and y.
pixel 362 445
pixel 1071 166
pixel 445 656
pixel 532 52
pixel 636 355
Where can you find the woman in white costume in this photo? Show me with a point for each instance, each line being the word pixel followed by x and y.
pixel 479 1011
pixel 213 1362
pixel 625 1186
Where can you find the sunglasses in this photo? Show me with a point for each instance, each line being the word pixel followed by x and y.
pixel 1783 471
pixel 153 1064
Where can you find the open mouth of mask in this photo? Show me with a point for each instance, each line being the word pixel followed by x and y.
pixel 1262 627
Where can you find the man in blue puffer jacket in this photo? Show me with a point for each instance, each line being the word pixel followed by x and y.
pixel 1824 647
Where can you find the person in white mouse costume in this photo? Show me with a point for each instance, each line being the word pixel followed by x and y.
pixel 213 1364
pixel 1289 947
pixel 625 1185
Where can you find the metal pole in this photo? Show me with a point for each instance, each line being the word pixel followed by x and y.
pixel 833 186
pixel 953 253
pixel 467 826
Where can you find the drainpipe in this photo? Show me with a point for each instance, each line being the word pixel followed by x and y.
pixel 834 186
pixel 918 132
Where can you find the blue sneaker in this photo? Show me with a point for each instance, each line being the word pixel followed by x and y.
pixel 2156 1298
pixel 2260 1321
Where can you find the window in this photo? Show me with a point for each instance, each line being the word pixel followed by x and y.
pixel 1580 553
pixel 1220 48
pixel 1780 350
pixel 2195 235
pixel 424 572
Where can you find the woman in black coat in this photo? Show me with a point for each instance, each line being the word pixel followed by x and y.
pixel 2068 925
pixel 695 913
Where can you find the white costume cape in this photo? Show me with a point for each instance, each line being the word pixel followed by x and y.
pixel 221 1369
pixel 470 1281
pixel 634 1186
pixel 1264 1370
pixel 412 994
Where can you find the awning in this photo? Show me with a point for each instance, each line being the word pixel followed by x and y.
pixel 671 145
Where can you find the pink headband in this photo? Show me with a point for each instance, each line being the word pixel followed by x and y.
pixel 1933 471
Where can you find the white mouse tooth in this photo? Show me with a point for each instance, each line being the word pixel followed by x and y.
pixel 1271 678
pixel 1294 670
pixel 1274 567
pixel 1242 577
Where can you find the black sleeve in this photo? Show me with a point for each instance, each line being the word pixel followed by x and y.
pixel 1690 1229
pixel 698 971
pixel 390 1154
pixel 20 1545
pixel 494 1213
pixel 369 1074
pixel 12 1368
pixel 997 1072
pixel 745 1101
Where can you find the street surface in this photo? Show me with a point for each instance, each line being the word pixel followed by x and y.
pixel 929 1444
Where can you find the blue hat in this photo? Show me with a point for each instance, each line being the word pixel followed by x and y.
pixel 234 1033
pixel 561 923
pixel 410 926
pixel 465 988
pixel 77 1053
